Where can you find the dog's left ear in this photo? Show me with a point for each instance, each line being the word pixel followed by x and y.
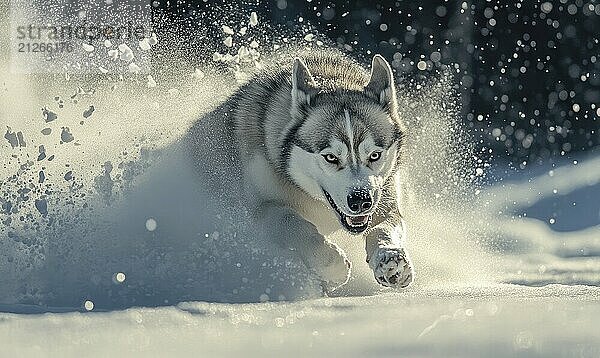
pixel 381 83
pixel 303 84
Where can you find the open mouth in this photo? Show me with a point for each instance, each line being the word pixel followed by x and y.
pixel 354 224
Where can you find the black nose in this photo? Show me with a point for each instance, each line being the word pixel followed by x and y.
pixel 359 200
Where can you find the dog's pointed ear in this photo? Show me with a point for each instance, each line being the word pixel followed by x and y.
pixel 381 83
pixel 303 84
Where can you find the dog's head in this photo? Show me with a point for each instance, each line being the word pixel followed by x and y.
pixel 346 143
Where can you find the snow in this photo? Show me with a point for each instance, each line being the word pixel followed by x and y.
pixel 153 40
pixel 151 224
pixel 253 19
pixel 88 48
pixel 126 53
pixel 227 30
pixel 144 45
pixel 198 74
pixel 133 67
pixel 554 321
pixel 120 277
pixel 116 255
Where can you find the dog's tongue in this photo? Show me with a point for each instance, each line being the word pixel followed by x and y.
pixel 357 220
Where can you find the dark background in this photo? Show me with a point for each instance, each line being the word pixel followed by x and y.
pixel 529 72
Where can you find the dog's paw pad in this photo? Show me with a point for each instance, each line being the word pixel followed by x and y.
pixel 391 267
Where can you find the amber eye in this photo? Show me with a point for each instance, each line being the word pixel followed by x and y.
pixel 374 156
pixel 330 158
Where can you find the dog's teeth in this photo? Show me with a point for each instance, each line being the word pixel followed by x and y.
pixel 350 222
pixel 356 221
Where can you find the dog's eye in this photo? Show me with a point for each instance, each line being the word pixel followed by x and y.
pixel 330 158
pixel 374 156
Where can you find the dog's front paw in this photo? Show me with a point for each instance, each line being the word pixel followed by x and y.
pixel 332 266
pixel 391 267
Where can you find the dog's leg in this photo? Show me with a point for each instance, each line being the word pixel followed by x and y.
pixel 290 231
pixel 386 256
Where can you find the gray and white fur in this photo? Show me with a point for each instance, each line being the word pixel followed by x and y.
pixel 318 145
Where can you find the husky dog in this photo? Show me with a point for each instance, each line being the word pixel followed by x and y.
pixel 318 141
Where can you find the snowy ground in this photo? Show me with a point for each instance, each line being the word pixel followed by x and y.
pixel 501 321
